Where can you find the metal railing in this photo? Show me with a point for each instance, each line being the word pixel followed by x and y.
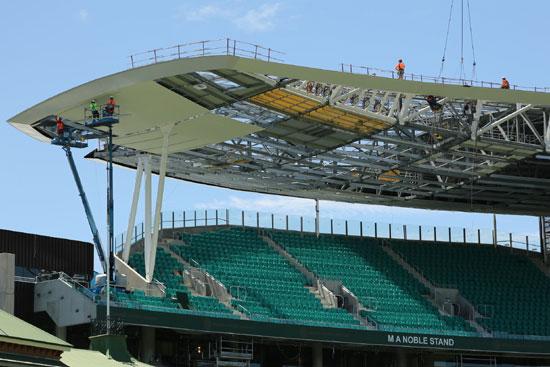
pixel 345 227
pixel 222 46
pixel 367 70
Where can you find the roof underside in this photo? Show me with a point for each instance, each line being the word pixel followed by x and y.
pixel 282 129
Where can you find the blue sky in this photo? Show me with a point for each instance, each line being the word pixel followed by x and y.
pixel 51 46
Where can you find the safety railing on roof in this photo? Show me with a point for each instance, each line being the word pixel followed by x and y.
pixel 347 227
pixel 222 46
pixel 367 70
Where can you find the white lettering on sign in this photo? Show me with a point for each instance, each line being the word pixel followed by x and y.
pixel 420 340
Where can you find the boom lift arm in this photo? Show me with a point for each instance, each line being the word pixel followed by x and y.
pixel 89 216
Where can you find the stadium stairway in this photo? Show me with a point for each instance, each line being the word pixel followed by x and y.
pixel 448 300
pixel 263 283
pixel 326 292
pixel 508 289
pixel 174 275
pixel 200 282
pixel 394 299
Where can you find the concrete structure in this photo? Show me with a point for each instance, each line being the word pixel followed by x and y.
pixel 7 283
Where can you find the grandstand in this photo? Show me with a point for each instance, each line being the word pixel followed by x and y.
pixel 256 289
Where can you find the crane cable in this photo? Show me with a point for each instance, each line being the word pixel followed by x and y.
pixel 472 42
pixel 449 21
pixel 446 39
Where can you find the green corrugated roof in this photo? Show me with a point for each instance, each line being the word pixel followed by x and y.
pixel 17 331
pixel 90 358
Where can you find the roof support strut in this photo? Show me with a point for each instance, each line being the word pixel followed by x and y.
pixel 160 193
pixel 133 210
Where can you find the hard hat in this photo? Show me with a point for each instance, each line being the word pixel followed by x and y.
pixel 93 100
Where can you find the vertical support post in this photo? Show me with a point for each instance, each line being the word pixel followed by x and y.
pixel 257 219
pixel 194 218
pixel 361 229
pixel 133 210
pixel 375 230
pixel 527 243
pixel 494 230
pixel 420 233
pixel 331 226
pixel 173 220
pixel 135 233
pixel 160 194
pixel 317 218
pixel 242 218
pixel 435 234
pixel 206 217
pixel 184 220
pixel 479 236
pixel 389 230
pixel 450 239
pixel 346 223
pixel 510 239
pixel 404 232
pixel 147 220
pixel 464 235
pixel 216 217
pixel 132 60
pixel 226 217
pixel 301 224
pixel 272 221
pixel 110 229
pixel 287 222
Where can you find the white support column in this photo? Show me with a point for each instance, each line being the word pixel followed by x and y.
pixel 160 193
pixel 475 122
pixel 317 224
pixel 133 210
pixel 147 219
pixel 404 112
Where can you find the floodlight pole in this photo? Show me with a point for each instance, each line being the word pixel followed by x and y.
pixel 110 229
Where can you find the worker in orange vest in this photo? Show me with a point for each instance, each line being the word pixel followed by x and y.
pixel 400 68
pixel 505 84
pixel 110 106
pixel 59 125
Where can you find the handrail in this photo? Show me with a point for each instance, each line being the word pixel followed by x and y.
pixel 354 228
pixel 221 46
pixel 385 73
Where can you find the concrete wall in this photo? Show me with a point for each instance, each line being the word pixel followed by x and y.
pixel 7 283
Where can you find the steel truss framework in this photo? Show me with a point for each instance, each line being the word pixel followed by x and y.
pixel 335 142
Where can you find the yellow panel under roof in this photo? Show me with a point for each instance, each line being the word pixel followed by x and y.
pixel 347 120
pixel 286 102
pixel 295 104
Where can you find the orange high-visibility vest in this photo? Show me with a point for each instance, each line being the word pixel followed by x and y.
pixel 505 84
pixel 400 66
